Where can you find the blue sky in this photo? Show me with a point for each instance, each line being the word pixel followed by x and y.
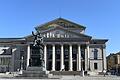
pixel 101 17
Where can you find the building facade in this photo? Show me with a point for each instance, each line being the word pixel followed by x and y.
pixel 66 48
pixel 113 63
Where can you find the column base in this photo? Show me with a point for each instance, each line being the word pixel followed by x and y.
pixel 52 70
pixel 78 70
pixel 70 70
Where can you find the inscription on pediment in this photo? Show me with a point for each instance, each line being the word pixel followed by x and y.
pixel 59 34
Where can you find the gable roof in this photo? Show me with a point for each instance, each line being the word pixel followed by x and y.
pixel 57 20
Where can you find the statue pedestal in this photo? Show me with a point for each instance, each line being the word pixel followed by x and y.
pixel 35 72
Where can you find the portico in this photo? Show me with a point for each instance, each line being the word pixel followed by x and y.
pixel 67 57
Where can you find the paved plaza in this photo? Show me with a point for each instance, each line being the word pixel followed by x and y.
pixel 90 78
pixel 69 77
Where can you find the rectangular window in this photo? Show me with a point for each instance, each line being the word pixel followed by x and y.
pixel 95 54
pixel 83 53
pixel 95 66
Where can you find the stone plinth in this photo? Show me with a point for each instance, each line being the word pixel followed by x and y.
pixel 35 72
pixel 35 69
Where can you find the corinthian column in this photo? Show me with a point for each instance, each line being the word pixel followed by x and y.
pixel 28 55
pixel 45 53
pixel 104 59
pixel 70 59
pixel 88 56
pixel 53 58
pixel 62 58
pixel 79 58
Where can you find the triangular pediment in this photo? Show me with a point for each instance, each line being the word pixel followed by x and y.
pixel 59 22
pixel 59 32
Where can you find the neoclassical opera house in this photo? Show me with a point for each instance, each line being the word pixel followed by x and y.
pixel 66 48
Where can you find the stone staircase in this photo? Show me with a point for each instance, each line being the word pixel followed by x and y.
pixel 92 73
pixel 65 72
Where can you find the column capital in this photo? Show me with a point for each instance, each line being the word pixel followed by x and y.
pixel 87 44
pixel 70 44
pixel 79 44
pixel 103 46
pixel 53 44
pixel 44 44
pixel 61 44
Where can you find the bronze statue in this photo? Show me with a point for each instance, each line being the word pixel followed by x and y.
pixel 38 39
pixel 38 43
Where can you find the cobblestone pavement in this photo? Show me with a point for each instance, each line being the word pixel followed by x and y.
pixel 74 78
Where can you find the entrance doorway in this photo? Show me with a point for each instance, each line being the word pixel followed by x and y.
pixel 57 66
pixel 66 65
pixel 74 66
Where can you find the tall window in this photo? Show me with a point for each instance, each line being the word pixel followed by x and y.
pixel 95 66
pixel 95 53
pixel 74 52
pixel 66 52
pixel 49 52
pixel 57 51
pixel 83 53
